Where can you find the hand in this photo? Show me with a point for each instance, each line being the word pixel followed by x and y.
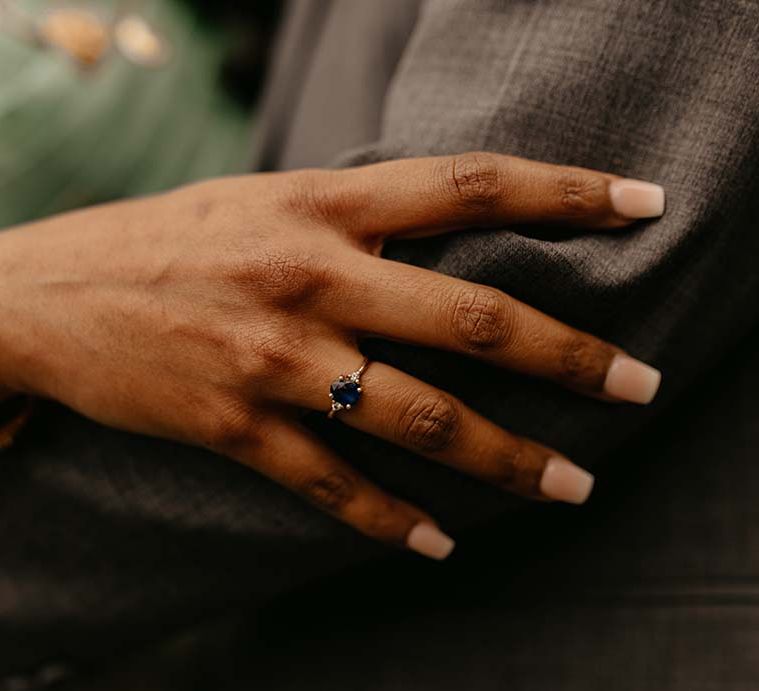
pixel 214 314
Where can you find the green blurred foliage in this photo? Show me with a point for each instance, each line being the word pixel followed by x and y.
pixel 70 138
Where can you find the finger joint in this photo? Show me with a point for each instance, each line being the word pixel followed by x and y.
pixel 431 423
pixel 228 426
pixel 520 467
pixel 583 362
pixel 473 180
pixel 331 492
pixel 481 319
pixel 322 196
pixel 581 193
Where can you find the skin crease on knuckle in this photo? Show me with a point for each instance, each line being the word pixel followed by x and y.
pixel 229 426
pixel 339 493
pixel 481 319
pixel 383 518
pixel 521 465
pixel 584 362
pixel 331 492
pixel 582 194
pixel 430 423
pixel 290 279
pixel 271 355
pixel 324 197
pixel 473 181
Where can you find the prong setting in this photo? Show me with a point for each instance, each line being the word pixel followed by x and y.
pixel 345 391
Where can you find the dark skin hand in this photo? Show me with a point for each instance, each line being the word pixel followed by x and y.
pixel 214 314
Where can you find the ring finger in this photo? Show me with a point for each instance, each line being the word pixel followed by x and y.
pixel 417 416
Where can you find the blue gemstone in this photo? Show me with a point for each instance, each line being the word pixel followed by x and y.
pixel 345 393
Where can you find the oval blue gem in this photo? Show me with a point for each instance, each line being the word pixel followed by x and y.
pixel 346 393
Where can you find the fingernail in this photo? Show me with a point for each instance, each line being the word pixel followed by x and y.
pixel 564 481
pixel 632 380
pixel 636 199
pixel 430 542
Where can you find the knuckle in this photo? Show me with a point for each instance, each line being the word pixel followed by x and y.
pixel 320 196
pixel 382 520
pixel 229 426
pixel 273 355
pixel 332 492
pixel 481 318
pixel 583 361
pixel 512 459
pixel 474 179
pixel 581 193
pixel 520 468
pixel 188 328
pixel 288 278
pixel 431 422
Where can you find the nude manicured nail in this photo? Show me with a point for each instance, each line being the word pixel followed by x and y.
pixel 564 481
pixel 632 380
pixel 426 539
pixel 636 199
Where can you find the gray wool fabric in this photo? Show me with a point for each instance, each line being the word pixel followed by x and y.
pixel 110 541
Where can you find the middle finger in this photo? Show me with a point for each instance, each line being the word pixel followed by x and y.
pixel 414 305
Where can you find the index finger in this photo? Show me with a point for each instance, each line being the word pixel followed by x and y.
pixel 422 196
